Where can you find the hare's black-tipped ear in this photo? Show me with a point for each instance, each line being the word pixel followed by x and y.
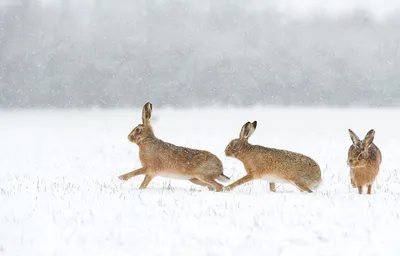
pixel 247 130
pixel 146 113
pixel 254 125
pixel 368 139
pixel 244 131
pixel 354 138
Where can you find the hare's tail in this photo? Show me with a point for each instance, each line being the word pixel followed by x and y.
pixel 223 178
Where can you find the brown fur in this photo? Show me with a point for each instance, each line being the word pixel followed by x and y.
pixel 160 158
pixel 261 162
pixel 364 159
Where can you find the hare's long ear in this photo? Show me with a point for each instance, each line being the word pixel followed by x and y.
pixel 247 130
pixel 368 139
pixel 355 139
pixel 146 113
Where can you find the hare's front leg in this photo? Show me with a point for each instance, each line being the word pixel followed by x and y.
pixel 146 181
pixel 369 188
pixel 244 179
pixel 134 173
pixel 352 183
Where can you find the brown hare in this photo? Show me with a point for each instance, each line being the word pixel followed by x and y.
pixel 364 159
pixel 160 158
pixel 271 164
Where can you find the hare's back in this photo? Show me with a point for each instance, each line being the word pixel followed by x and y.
pixel 184 158
pixel 294 166
pixel 288 159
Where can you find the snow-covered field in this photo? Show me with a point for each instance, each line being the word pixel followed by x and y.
pixel 59 192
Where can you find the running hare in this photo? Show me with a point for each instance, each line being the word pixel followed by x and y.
pixel 364 159
pixel 160 158
pixel 271 164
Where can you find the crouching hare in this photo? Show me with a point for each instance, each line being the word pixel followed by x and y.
pixel 274 165
pixel 364 159
pixel 160 158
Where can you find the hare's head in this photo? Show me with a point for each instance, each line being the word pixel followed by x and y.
pixel 144 130
pixel 235 146
pixel 358 154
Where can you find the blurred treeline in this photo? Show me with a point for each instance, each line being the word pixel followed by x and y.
pixel 194 53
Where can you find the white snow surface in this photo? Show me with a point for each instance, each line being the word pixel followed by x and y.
pixel 59 192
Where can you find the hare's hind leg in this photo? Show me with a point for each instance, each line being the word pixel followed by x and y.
pixel 134 173
pixel 369 188
pixel 303 187
pixel 210 181
pixel 146 181
pixel 244 179
pixel 272 186
pixel 198 182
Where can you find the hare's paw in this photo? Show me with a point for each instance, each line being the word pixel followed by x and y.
pixel 123 177
pixel 226 189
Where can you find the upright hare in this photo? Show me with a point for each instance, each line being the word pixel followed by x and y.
pixel 274 165
pixel 364 159
pixel 160 158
